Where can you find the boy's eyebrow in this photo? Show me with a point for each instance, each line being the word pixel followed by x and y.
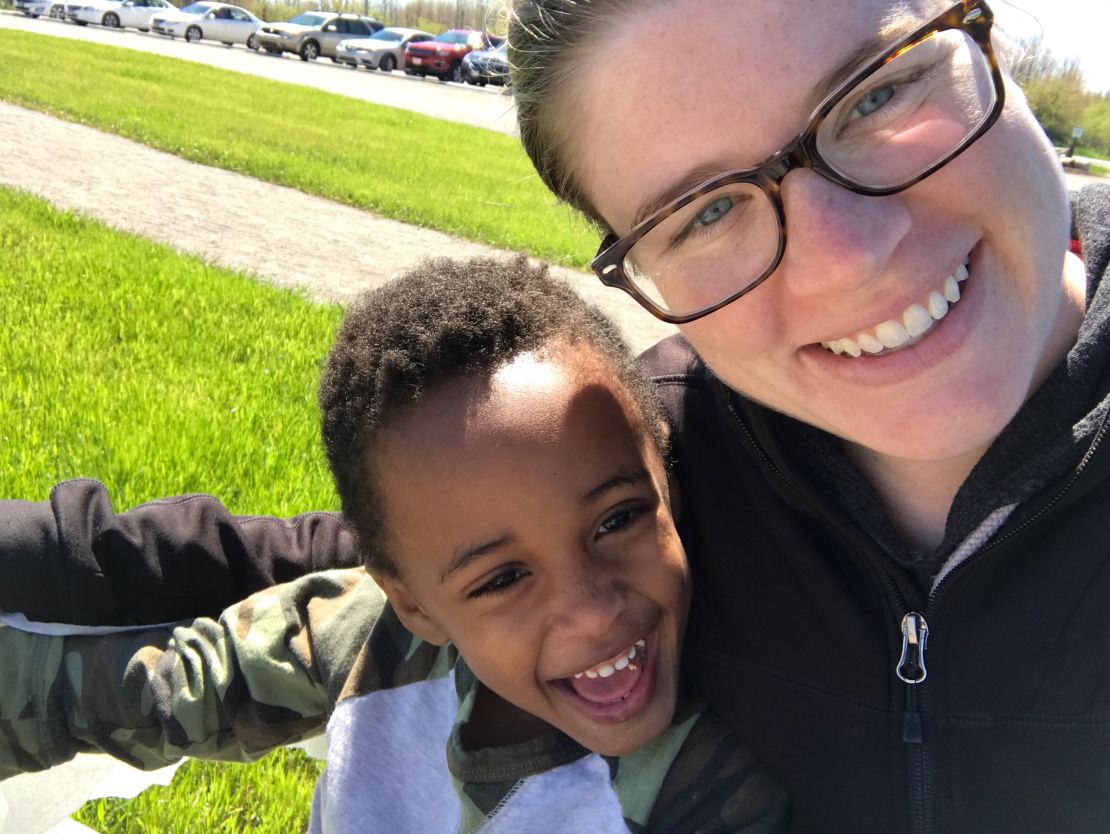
pixel 464 557
pixel 621 479
pixel 898 27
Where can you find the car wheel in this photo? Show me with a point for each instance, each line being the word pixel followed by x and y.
pixel 193 34
pixel 111 20
pixel 57 12
pixel 252 42
pixel 310 51
pixel 456 73
pixel 387 63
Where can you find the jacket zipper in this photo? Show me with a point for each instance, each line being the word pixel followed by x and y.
pixel 912 671
pixel 916 700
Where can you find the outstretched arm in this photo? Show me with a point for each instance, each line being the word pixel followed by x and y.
pixel 266 673
pixel 73 559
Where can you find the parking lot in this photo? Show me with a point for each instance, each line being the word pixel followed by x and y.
pixel 484 107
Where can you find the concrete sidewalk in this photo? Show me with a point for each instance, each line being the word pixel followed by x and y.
pixel 276 234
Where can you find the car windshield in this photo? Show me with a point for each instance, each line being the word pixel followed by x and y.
pixel 386 35
pixel 310 19
pixel 196 8
pixel 452 37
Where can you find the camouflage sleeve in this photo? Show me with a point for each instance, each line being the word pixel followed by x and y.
pixel 716 786
pixel 266 673
pixel 73 559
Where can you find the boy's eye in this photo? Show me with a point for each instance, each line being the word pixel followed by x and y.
pixel 619 520
pixel 500 583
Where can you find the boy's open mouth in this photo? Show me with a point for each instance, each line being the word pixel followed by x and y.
pixel 617 688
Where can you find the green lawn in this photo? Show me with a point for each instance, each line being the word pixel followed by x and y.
pixel 158 374
pixel 474 183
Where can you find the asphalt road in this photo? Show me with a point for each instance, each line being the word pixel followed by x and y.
pixel 483 107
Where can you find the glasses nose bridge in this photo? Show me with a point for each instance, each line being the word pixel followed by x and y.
pixel 798 154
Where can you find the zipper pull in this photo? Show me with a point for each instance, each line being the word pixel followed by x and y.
pixel 911 670
pixel 915 634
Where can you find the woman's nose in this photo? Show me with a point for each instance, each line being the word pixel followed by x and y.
pixel 836 240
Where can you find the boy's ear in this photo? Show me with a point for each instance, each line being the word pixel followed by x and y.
pixel 409 612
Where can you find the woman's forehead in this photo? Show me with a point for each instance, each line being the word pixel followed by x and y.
pixel 750 74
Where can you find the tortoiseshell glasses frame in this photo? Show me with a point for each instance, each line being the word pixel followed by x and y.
pixel 972 17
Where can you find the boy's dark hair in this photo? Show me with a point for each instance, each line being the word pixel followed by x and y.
pixel 445 319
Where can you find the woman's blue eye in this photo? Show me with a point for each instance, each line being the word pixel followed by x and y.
pixel 502 582
pixel 871 102
pixel 714 211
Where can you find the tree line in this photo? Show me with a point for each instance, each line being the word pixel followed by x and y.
pixel 1056 94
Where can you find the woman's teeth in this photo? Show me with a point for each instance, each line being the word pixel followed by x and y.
pixel 917 320
pixel 608 667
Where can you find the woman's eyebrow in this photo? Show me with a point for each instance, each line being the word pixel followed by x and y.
pixel 899 24
pixel 470 554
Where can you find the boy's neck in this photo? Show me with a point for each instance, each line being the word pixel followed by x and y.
pixel 494 722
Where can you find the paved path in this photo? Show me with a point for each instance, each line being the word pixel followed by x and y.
pixel 275 233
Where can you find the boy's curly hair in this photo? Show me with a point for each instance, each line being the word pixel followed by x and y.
pixel 445 319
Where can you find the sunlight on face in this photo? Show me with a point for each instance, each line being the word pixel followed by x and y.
pixel 528 517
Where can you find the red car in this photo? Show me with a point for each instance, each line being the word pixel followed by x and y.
pixel 442 56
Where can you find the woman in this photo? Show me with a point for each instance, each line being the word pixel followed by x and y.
pixel 889 405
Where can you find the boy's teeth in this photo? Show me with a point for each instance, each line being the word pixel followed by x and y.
pixel 613 665
pixel 917 320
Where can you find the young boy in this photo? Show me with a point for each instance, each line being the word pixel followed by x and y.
pixel 502 464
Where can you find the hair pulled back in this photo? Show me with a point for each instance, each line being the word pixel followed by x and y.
pixel 549 41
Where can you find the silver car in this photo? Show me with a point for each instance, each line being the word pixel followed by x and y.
pixel 209 21
pixel 384 50
pixel 312 35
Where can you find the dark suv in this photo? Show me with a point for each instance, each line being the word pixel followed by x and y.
pixel 442 56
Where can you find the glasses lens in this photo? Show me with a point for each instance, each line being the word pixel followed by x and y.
pixel 706 251
pixel 911 113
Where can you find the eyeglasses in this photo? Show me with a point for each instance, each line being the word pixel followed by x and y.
pixel 894 122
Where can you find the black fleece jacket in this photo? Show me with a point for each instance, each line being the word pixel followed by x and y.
pixel 796 629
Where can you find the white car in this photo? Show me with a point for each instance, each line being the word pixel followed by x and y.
pixel 384 50
pixel 117 15
pixel 209 21
pixel 38 8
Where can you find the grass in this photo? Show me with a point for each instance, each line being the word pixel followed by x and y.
pixel 1100 170
pixel 463 180
pixel 271 796
pixel 1091 152
pixel 158 374
pixel 154 372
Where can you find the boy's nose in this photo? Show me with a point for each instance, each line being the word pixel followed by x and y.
pixel 591 604
pixel 836 240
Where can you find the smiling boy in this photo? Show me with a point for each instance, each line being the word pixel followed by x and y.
pixel 502 463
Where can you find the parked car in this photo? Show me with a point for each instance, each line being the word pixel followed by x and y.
pixel 117 15
pixel 38 8
pixel 81 12
pixel 384 50
pixel 209 21
pixel 314 34
pixel 442 56
pixel 487 66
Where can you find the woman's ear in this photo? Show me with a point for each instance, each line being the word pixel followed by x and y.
pixel 409 612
